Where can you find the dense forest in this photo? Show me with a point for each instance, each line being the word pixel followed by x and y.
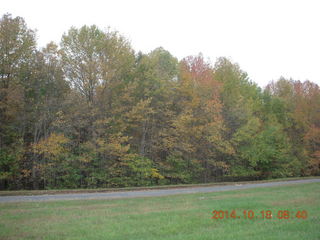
pixel 91 112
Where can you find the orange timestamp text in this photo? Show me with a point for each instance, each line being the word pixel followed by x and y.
pixel 264 214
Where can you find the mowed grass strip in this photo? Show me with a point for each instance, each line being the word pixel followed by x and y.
pixel 174 217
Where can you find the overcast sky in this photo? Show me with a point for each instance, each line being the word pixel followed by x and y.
pixel 268 38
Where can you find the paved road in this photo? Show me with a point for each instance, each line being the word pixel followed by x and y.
pixel 148 193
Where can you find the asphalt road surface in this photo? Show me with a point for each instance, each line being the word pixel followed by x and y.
pixel 149 193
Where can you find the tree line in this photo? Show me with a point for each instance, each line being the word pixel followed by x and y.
pixel 91 112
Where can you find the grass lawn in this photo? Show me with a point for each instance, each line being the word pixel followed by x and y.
pixel 185 217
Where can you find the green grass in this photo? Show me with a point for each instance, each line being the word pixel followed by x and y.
pixel 183 217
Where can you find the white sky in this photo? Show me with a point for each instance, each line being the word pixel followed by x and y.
pixel 268 38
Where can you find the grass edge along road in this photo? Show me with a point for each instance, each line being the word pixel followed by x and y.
pixel 96 190
pixel 150 192
pixel 172 217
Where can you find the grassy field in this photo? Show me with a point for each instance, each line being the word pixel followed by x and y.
pixel 184 217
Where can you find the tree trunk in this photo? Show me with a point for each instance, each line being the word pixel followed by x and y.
pixel 143 138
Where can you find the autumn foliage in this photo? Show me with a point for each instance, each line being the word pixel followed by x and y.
pixel 93 113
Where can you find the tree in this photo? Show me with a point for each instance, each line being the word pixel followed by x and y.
pixel 95 58
pixel 195 138
pixel 17 46
pixel 302 121
pixel 242 106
